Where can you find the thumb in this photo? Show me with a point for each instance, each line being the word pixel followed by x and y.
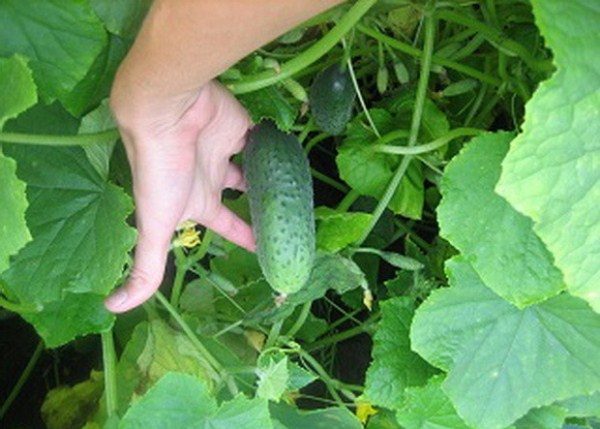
pixel 147 273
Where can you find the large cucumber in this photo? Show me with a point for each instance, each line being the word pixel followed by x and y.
pixel 281 206
pixel 331 99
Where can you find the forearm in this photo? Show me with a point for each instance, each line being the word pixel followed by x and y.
pixel 185 43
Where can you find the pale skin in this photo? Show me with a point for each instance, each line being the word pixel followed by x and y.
pixel 180 128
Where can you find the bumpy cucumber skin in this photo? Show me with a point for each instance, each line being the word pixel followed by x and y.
pixel 331 99
pixel 281 206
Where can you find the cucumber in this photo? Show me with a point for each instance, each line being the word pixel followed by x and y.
pixel 281 206
pixel 331 99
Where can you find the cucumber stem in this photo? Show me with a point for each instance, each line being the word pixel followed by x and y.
pixel 22 379
pixel 108 136
pixel 417 53
pixel 427 147
pixel 306 58
pixel 109 362
pixel 426 60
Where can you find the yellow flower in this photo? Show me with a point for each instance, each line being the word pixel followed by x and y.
pixel 187 236
pixel 364 410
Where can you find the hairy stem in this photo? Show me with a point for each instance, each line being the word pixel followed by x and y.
pixel 426 59
pixel 22 379
pixel 417 53
pixel 428 147
pixel 306 58
pixel 109 360
pixel 60 140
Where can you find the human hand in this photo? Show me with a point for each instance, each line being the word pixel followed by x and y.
pixel 179 152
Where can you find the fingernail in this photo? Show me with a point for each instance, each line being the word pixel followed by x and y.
pixel 116 299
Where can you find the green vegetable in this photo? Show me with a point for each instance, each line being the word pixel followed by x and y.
pixel 281 206
pixel 331 99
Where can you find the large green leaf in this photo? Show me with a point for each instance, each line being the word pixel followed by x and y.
pixel 552 172
pixel 428 407
pixel 369 172
pixel 62 38
pixel 96 84
pixel 122 17
pixel 503 361
pixel 288 417
pixel 336 230
pixel 273 378
pixel 395 366
pixel 269 103
pixel 13 228
pixel 80 242
pixel 17 88
pixel 498 241
pixel 99 154
pixel 182 401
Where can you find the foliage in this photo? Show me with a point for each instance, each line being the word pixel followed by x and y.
pixel 457 228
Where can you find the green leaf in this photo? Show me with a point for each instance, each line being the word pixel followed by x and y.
pixel 552 169
pixel 551 417
pixel 582 406
pixel 369 172
pixel 18 90
pixel 80 238
pixel 428 407
pixel 395 366
pixel 96 84
pixel 13 202
pixel 288 417
pixel 269 103
pixel 122 17
pixel 99 153
pixel 164 405
pixel 503 361
pixel 167 350
pixel 498 241
pixel 62 39
pixel 70 407
pixel 273 378
pixel 242 412
pixel 330 271
pixel 299 377
pixel 336 230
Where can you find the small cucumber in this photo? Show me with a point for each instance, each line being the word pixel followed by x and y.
pixel 281 206
pixel 331 99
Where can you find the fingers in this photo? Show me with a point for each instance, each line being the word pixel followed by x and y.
pixel 229 226
pixel 147 274
pixel 234 178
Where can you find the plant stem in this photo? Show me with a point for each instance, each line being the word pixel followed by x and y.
pixel 430 24
pixel 328 180
pixel 324 376
pixel 180 271
pixel 428 147
pixel 203 248
pixel 352 332
pixel 314 141
pixel 109 360
pixel 304 312
pixel 22 379
pixel 60 140
pixel 309 56
pixel 417 53
pixel 273 334
pixel 348 200
pixel 361 100
pixel 214 367
pixel 497 38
